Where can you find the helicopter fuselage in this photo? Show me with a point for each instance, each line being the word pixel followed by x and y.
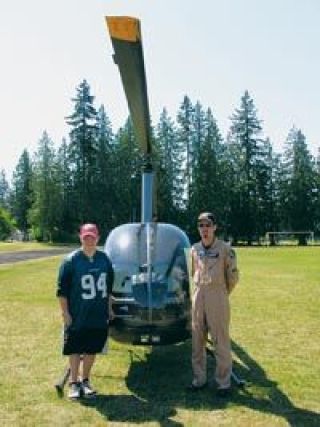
pixel 151 293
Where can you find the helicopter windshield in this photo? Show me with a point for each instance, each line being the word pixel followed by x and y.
pixel 148 253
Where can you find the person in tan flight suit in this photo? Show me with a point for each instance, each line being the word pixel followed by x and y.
pixel 215 274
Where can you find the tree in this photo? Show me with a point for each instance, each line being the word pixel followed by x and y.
pixel 185 151
pixel 271 196
pixel 200 123
pixel 4 190
pixel 127 169
pixel 6 224
pixel 247 155
pixel 104 177
pixel 83 148
pixel 67 200
pixel 267 173
pixel 46 208
pixel 317 195
pixel 167 169
pixel 208 187
pixel 298 185
pixel 22 195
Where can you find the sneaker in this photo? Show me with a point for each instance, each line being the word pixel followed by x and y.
pixel 87 390
pixel 74 391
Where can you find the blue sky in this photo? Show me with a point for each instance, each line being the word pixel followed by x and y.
pixel 210 50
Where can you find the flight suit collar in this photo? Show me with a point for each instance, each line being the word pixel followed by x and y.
pixel 212 246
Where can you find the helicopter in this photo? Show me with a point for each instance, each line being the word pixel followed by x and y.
pixel 151 294
pixel 151 291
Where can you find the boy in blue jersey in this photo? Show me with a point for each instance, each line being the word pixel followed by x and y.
pixel 84 288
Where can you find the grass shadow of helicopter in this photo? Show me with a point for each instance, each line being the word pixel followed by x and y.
pixel 158 385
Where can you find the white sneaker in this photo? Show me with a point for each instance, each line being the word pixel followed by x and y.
pixel 87 390
pixel 74 391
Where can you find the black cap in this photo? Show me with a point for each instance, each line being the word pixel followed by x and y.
pixel 207 216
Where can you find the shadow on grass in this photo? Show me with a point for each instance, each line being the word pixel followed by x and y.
pixel 158 385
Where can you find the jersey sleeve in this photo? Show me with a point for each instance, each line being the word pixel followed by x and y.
pixel 64 279
pixel 232 272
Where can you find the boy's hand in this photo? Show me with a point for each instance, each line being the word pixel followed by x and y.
pixel 67 319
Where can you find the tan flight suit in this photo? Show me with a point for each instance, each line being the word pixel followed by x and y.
pixel 215 274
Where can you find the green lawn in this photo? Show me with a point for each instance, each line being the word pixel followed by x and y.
pixel 25 246
pixel 275 333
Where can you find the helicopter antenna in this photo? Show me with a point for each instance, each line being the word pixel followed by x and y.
pixel 126 39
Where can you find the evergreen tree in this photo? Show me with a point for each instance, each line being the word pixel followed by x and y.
pixel 208 188
pixel 247 154
pixel 69 220
pixel 298 184
pixel 4 190
pixel 267 190
pixel 22 193
pixel 201 122
pixel 127 170
pixel 317 195
pixel 83 148
pixel 167 169
pixel 271 203
pixel 185 148
pixel 104 180
pixel 46 208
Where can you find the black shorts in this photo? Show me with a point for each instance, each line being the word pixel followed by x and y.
pixel 84 341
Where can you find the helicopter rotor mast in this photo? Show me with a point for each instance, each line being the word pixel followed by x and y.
pixel 126 39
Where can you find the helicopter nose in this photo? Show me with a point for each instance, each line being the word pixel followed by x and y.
pixel 158 294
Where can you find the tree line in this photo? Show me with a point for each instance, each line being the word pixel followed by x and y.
pixel 94 175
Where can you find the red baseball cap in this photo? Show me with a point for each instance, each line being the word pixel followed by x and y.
pixel 89 230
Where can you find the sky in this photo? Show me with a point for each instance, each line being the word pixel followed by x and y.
pixel 210 50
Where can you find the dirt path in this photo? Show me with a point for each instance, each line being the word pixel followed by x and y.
pixel 10 257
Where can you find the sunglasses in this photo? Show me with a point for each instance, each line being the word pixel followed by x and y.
pixel 204 225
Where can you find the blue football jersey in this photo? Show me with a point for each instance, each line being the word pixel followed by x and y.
pixel 86 282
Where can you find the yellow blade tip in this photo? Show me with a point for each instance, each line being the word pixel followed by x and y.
pixel 124 28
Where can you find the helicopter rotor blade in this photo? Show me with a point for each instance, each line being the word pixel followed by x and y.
pixel 126 39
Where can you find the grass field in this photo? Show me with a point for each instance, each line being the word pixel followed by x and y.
pixel 275 333
pixel 25 246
